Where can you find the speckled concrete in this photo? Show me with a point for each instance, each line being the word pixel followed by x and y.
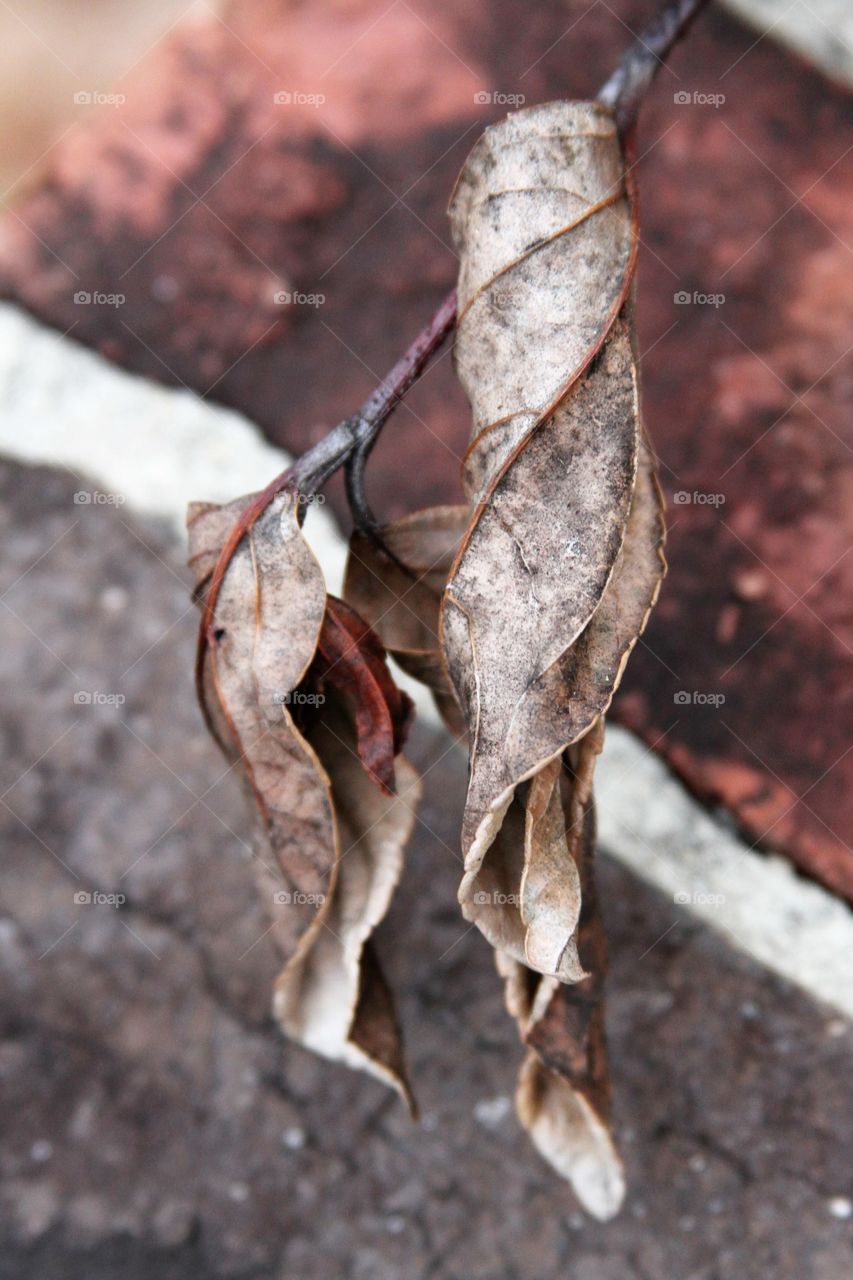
pixel 154 1123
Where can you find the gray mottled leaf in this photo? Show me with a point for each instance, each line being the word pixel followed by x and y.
pixel 565 699
pixel 543 227
pixel 542 219
pixel 561 560
pixel 538 557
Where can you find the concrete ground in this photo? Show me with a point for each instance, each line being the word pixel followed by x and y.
pixel 155 1123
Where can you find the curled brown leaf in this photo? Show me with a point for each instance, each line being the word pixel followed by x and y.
pixel 351 659
pixel 561 560
pixel 399 594
pixel 542 220
pixel 298 694
pixel 563 1096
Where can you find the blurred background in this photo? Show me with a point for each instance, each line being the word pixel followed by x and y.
pixel 220 225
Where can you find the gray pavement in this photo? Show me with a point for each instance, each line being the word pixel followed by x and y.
pixel 156 1125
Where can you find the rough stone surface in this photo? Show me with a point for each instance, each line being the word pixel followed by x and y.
pixel 200 199
pixel 155 1124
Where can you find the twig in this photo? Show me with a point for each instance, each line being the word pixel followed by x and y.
pixel 354 436
pixel 626 88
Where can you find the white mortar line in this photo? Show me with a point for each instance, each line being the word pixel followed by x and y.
pixel 158 448
pixel 154 447
pixel 650 822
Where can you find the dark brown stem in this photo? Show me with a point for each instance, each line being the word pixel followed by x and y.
pixel 626 88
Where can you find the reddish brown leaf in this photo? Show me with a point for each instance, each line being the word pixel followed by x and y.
pixel 351 658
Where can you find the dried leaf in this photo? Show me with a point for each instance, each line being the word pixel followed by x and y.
pixel 565 699
pixel 563 1096
pixel 536 562
pixel 572 1137
pixel 525 896
pixel 329 832
pixel 400 595
pixel 351 659
pixel 262 646
pixel 561 560
pixel 543 224
pixel 550 885
pixel 544 229
pixel 323 999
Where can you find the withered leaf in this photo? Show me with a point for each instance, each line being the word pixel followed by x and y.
pixel 565 699
pixel 324 998
pixel 330 830
pixel 544 230
pixel 262 647
pixel 563 1096
pixel 399 594
pixel 351 658
pixel 538 556
pixel 561 560
pixel 525 896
